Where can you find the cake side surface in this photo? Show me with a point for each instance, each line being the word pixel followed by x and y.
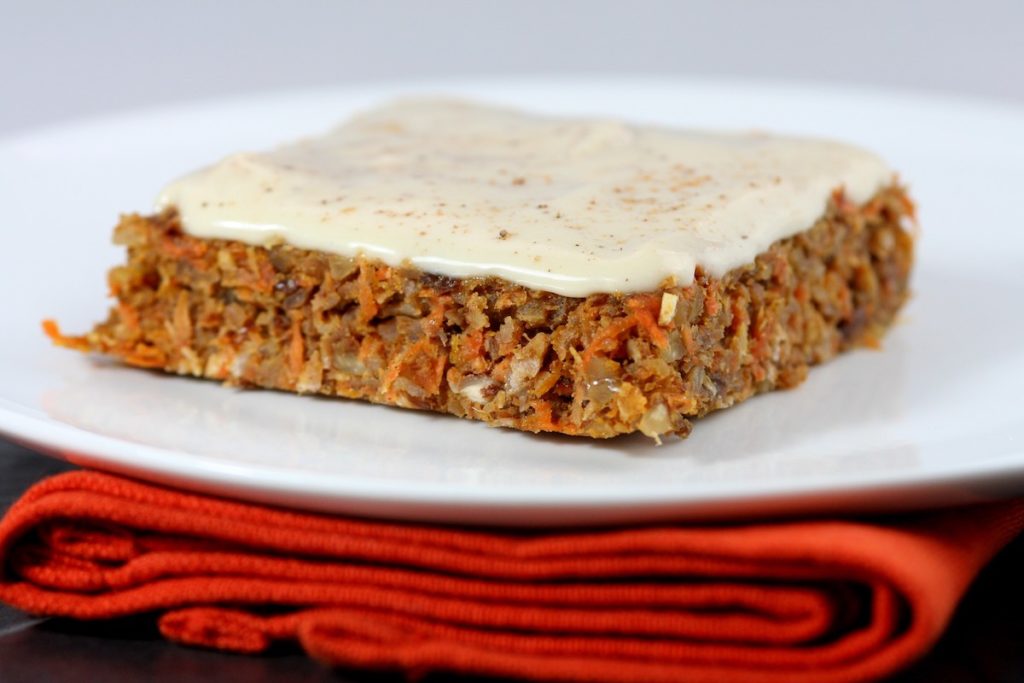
pixel 484 348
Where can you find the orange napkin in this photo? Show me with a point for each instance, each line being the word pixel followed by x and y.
pixel 790 601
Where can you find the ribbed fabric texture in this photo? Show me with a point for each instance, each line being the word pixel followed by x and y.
pixel 822 601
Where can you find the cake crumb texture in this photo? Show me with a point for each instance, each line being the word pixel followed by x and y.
pixel 483 348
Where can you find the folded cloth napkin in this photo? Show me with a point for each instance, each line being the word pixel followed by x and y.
pixel 787 601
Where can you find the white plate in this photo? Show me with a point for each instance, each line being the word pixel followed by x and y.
pixel 933 418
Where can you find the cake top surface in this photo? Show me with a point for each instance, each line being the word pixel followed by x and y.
pixel 571 206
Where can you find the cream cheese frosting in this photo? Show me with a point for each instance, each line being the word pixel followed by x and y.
pixel 570 206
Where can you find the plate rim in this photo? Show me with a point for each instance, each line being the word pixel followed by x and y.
pixel 914 96
pixel 49 434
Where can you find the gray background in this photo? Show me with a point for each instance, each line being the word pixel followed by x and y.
pixel 66 59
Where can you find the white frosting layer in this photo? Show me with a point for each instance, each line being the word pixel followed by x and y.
pixel 568 206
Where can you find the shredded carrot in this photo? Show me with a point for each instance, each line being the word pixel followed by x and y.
pixel 145 356
pixel 296 349
pixel 873 209
pixel 802 293
pixel 368 306
pixel 608 334
pixel 267 275
pixel 870 341
pixel 840 200
pixel 182 321
pixel 471 348
pixel 228 358
pixel 52 330
pixel 420 363
pixel 193 250
pixel 646 309
pixel 642 315
pixel 474 343
pixel 368 348
pixel 542 419
pixel 434 320
pixel 909 206
pixel 740 315
pixel 545 382
pixel 687 335
pixel 499 371
pixel 760 338
pixel 258 276
pixel 711 302
pixel 129 316
pixel 780 268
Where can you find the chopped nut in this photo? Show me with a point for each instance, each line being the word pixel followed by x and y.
pixel 655 422
pixel 475 387
pixel 668 309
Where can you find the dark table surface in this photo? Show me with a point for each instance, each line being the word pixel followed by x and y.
pixel 984 643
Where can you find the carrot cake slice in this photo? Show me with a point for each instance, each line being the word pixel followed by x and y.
pixel 579 276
